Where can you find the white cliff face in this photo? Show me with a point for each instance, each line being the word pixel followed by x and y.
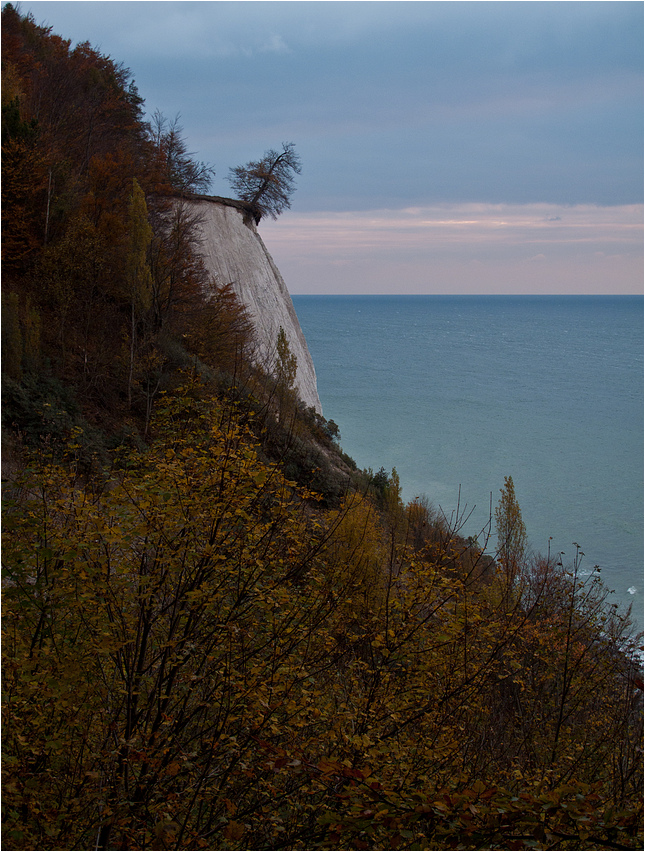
pixel 234 253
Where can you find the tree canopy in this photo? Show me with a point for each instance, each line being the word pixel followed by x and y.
pixel 267 184
pixel 196 656
pixel 183 171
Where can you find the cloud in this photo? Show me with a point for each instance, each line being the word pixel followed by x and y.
pixel 446 146
pixel 394 104
pixel 464 248
pixel 275 44
pixel 464 224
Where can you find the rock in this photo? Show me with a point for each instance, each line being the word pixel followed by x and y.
pixel 234 253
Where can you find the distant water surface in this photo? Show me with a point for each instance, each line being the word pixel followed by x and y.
pixel 461 391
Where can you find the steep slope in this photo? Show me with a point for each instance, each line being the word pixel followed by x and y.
pixel 234 253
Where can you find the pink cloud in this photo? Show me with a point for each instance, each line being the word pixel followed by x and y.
pixel 465 248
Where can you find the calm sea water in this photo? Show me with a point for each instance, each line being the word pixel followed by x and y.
pixel 458 392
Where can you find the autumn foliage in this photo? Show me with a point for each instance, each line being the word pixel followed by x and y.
pixel 98 252
pixel 198 656
pixel 217 634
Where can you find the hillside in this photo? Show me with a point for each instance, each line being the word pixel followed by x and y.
pixel 217 633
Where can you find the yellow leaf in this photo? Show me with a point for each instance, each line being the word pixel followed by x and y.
pixel 234 830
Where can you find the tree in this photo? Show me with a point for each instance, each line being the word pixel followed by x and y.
pixel 267 184
pixel 287 363
pixel 511 532
pixel 179 169
pixel 286 367
pixel 11 336
pixel 137 270
pixel 24 179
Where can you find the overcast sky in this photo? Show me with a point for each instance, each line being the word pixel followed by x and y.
pixel 447 147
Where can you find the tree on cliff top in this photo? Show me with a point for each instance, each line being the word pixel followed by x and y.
pixel 179 167
pixel 267 184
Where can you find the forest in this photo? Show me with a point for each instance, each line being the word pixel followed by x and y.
pixel 217 632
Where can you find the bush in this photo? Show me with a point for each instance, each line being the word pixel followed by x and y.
pixel 43 411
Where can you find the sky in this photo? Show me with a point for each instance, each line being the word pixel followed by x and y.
pixel 446 147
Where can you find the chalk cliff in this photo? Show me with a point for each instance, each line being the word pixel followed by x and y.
pixel 234 253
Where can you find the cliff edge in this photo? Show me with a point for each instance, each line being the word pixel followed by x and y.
pixel 234 253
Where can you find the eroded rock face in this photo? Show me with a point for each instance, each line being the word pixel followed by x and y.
pixel 234 253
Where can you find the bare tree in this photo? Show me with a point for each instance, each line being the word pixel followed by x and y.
pixel 182 171
pixel 267 184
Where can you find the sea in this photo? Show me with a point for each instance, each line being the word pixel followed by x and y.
pixel 458 392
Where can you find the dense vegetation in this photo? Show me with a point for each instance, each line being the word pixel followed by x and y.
pixel 217 634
